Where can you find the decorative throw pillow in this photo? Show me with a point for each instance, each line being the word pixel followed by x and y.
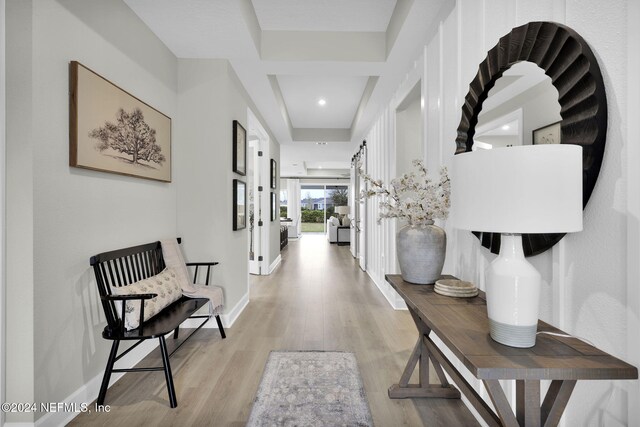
pixel 165 285
pixel 346 222
pixel 334 221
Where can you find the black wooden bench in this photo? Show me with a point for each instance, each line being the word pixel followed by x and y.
pixel 126 266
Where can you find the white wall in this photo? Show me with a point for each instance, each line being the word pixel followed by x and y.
pixel 587 283
pixel 409 132
pixel 209 92
pixel 2 206
pixel 204 176
pixel 59 216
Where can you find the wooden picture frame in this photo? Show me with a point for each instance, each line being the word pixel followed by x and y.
pixel 112 131
pixel 239 149
pixel 274 173
pixel 274 206
pixel 550 134
pixel 239 204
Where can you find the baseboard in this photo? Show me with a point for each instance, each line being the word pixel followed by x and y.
pixel 389 293
pixel 275 263
pixel 89 392
pixel 228 319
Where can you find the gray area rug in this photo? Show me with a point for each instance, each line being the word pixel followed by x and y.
pixel 310 388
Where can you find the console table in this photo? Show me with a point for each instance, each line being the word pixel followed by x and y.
pixel 463 326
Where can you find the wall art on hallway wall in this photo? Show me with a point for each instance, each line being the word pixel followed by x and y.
pixel 111 130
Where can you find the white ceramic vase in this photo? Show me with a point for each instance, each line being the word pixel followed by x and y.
pixel 421 252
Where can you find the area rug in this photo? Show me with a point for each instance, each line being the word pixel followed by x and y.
pixel 310 388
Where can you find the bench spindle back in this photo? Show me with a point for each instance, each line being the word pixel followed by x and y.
pixel 123 267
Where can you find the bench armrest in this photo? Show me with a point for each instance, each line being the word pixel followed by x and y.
pixel 190 264
pixel 201 264
pixel 124 299
pixel 128 297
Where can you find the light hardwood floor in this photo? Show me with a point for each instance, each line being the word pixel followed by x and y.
pixel 317 299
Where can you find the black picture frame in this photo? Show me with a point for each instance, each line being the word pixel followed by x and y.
pixel 239 149
pixel 550 134
pixel 239 205
pixel 274 173
pixel 274 206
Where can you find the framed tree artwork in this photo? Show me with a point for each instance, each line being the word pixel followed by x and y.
pixel 274 206
pixel 239 149
pixel 239 204
pixel 111 130
pixel 274 173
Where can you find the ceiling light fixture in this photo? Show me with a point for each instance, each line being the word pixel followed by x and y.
pixel 321 143
pixel 322 102
pixel 505 127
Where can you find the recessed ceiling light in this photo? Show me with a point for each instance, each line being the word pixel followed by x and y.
pixel 505 127
pixel 322 102
pixel 321 143
pixel 319 167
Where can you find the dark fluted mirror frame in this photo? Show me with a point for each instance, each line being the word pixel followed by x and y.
pixel 567 59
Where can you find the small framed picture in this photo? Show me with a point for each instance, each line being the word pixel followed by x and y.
pixel 549 134
pixel 239 149
pixel 239 204
pixel 274 173
pixel 274 206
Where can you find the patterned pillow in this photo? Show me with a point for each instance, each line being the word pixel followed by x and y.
pixel 164 284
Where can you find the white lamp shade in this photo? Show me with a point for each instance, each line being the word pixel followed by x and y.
pixel 522 189
pixel 342 210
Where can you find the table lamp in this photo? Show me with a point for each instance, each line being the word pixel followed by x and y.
pixel 342 210
pixel 515 190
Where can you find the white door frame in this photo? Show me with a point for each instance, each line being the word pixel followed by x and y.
pixel 261 179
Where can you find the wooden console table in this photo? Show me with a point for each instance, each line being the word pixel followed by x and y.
pixel 463 326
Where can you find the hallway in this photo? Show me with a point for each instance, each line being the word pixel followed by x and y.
pixel 317 299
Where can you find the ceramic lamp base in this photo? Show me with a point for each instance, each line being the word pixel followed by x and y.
pixel 513 335
pixel 513 295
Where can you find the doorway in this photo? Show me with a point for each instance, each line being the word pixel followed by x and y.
pixel 318 203
pixel 258 176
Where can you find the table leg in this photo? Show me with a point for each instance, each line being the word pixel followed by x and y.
pixel 528 402
pixel 528 409
pixel 421 356
pixel 556 401
pixel 500 402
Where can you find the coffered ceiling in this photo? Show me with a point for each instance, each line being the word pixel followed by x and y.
pixel 290 54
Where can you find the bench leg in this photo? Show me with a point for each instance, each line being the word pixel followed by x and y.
pixel 107 372
pixel 176 332
pixel 222 334
pixel 167 372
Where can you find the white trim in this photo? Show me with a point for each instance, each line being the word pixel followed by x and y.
pixel 275 263
pixel 228 319
pixel 389 293
pixel 89 392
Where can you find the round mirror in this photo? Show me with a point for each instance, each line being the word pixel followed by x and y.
pixel 521 105
pixel 579 115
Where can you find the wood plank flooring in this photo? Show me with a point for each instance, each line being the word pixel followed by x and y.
pixel 317 299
